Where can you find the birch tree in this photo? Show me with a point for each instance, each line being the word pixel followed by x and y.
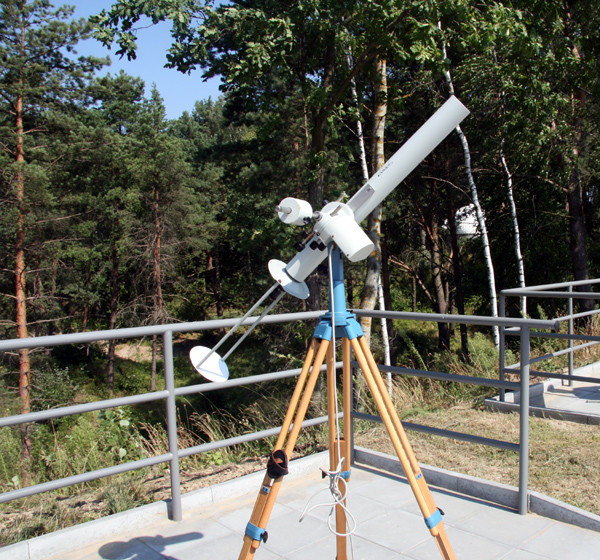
pixel 475 198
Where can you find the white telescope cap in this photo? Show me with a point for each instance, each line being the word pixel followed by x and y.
pixel 212 367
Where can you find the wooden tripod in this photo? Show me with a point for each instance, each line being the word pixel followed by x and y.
pixel 321 348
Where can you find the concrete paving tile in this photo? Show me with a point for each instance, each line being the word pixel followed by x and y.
pixel 161 542
pixel 363 509
pixel 287 534
pixel 504 526
pixel 456 508
pixel 364 548
pixel 399 532
pixel 198 527
pixel 387 489
pixel 220 549
pixel 565 542
pixel 522 555
pixel 466 546
pixel 119 550
pixel 236 519
pixel 356 547
pixel 169 546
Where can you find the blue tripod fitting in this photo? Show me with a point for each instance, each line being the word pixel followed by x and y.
pixel 346 325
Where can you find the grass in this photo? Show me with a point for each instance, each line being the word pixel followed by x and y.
pixel 563 456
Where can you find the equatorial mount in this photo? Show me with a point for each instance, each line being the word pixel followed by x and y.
pixel 336 224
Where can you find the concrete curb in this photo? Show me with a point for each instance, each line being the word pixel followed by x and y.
pixel 79 537
pixel 541 412
pixel 494 492
pixel 513 399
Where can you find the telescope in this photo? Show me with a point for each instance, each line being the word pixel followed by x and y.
pixel 340 223
pixel 336 223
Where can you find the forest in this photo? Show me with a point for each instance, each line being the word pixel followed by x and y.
pixel 114 216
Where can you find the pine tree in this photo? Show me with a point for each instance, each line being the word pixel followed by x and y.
pixel 39 79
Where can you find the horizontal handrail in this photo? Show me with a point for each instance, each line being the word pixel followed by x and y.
pixel 454 377
pixel 552 324
pixel 150 330
pixel 526 290
pixel 498 443
pixel 42 415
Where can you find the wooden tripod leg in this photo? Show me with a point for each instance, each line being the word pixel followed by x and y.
pixel 402 447
pixel 443 544
pixel 334 455
pixel 296 411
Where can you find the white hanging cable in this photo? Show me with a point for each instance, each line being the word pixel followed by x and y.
pixel 339 496
pixel 335 477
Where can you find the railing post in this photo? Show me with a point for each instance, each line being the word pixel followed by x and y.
pixel 175 510
pixel 524 423
pixel 571 327
pixel 502 348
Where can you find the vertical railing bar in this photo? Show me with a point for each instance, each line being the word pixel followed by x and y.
pixel 175 510
pixel 524 423
pixel 571 327
pixel 501 350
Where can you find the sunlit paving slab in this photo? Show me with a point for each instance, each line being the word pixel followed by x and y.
pixel 388 525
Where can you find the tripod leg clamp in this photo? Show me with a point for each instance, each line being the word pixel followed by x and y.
pixel 434 519
pixel 256 533
pixel 277 466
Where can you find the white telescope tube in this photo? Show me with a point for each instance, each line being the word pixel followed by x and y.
pixel 372 193
pixel 411 153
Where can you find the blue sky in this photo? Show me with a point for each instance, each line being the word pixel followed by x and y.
pixel 179 91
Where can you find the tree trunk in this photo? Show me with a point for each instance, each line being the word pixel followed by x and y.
pixel 214 274
pixel 114 305
pixel 158 303
pixel 511 200
pixel 316 192
pixel 21 277
pixel 437 274
pixel 153 365
pixel 372 278
pixel 577 231
pixel 480 217
pixel 516 232
pixel 387 299
pixel 578 237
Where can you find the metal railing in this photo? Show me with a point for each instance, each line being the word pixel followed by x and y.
pixel 171 393
pixel 564 291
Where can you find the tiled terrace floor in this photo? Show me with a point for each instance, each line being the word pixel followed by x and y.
pixel 389 526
